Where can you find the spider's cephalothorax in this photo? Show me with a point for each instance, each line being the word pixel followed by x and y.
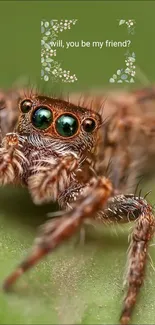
pixel 58 150
pixel 51 135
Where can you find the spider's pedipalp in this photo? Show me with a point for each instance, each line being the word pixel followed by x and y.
pixel 53 234
pixel 51 178
pixel 11 159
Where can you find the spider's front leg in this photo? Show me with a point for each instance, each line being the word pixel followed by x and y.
pixel 12 159
pixel 138 252
pixel 55 232
pixel 125 208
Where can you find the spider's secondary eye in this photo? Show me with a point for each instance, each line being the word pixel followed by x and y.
pixel 26 105
pixel 89 125
pixel 42 118
pixel 67 125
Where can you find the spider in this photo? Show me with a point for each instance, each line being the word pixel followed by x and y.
pixel 58 151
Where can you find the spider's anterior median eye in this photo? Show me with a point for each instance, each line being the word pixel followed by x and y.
pixel 89 125
pixel 26 105
pixel 67 125
pixel 42 118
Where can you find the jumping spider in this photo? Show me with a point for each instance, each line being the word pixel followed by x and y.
pixel 58 151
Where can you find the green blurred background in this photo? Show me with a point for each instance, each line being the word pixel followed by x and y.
pixel 97 20
pixel 80 284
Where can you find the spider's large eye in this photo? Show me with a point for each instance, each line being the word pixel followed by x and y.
pixel 42 118
pixel 26 105
pixel 89 125
pixel 67 125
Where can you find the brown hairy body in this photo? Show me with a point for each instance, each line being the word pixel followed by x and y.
pixel 60 149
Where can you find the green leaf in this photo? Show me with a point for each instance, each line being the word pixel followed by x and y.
pixel 47 46
pixel 77 284
pixel 121 22
pixel 49 60
pixel 132 59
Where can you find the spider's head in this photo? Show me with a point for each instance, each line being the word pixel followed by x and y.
pixel 64 125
